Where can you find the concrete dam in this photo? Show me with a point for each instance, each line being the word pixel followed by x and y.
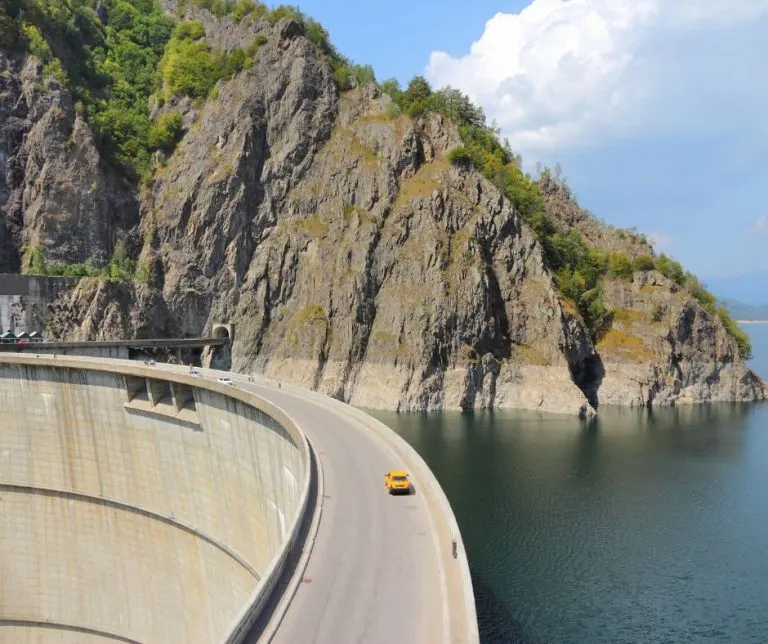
pixel 140 504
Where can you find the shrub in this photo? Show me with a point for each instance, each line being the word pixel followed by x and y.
pixel 343 77
pixel 189 69
pixel 120 267
pixel 256 44
pixel 567 249
pixel 234 63
pixel 364 74
pixel 218 8
pixel 33 260
pixel 283 11
pixel 245 8
pixel 391 86
pixel 700 293
pixel 658 312
pixel 592 308
pixel 619 266
pixel 189 30
pixel 643 263
pixel 417 109
pixel 166 131
pixel 571 283
pixel 123 15
pixel 670 269
pixel 393 111
pixel 54 69
pixel 460 157
pixel 36 44
pixel 736 332
pixel 143 273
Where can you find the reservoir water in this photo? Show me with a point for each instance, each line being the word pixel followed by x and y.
pixel 637 527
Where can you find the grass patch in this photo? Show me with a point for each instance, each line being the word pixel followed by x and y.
pixel 423 183
pixel 530 355
pixel 310 314
pixel 313 226
pixel 360 150
pixel 620 344
pixel 628 316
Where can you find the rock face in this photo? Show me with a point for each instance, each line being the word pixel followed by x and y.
pixel 663 347
pixel 54 191
pixel 352 257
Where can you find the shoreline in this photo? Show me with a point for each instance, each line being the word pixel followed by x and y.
pixel 751 321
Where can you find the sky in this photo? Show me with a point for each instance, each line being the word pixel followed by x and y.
pixel 655 109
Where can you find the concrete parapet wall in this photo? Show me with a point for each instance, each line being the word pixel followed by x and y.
pixel 139 504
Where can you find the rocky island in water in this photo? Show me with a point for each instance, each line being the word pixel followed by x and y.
pixel 206 161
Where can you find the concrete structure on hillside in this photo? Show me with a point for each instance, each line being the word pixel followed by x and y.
pixel 138 504
pixel 24 301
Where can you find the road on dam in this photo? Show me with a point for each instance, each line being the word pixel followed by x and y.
pixel 373 575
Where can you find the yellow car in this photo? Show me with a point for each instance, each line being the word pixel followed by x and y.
pixel 397 482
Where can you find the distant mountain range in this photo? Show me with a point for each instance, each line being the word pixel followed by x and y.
pixel 742 311
pixel 750 289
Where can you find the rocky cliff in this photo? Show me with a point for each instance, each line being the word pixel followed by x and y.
pixel 353 256
pixel 55 191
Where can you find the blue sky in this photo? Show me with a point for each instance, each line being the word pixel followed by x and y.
pixel 654 108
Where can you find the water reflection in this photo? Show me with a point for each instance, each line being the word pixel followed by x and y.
pixel 636 526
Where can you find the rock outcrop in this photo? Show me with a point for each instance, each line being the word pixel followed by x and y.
pixel 662 347
pixel 55 192
pixel 351 255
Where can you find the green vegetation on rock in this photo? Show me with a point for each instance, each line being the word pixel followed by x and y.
pixel 643 263
pixel 346 73
pixel 120 267
pixel 166 131
pixel 113 66
pixel 111 69
pixel 191 68
pixel 578 268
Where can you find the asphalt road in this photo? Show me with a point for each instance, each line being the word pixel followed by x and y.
pixel 373 575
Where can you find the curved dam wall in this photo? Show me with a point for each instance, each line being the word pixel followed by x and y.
pixel 138 504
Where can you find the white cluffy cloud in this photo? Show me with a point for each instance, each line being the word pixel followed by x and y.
pixel 573 72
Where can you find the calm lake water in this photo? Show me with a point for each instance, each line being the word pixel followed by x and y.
pixel 638 527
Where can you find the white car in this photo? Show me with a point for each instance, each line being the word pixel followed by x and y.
pixel 225 381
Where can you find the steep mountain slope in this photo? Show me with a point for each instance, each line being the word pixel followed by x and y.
pixel 354 249
pixel 55 192
pixel 667 342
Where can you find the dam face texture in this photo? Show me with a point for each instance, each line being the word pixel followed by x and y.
pixel 136 509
